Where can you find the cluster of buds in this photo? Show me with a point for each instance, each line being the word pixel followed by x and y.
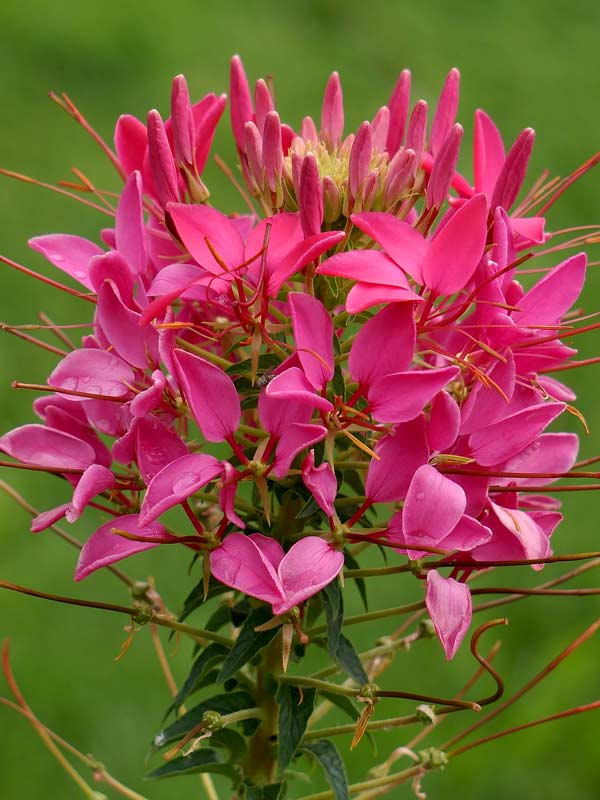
pixel 365 352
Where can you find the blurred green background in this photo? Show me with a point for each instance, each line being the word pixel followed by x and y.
pixel 530 63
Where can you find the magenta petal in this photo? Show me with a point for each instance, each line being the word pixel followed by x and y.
pixel 450 607
pixel 66 421
pixel 130 233
pixel 365 295
pixel 467 534
pixel 550 452
pixel 276 415
pixel 488 153
pixel 320 482
pixel 400 453
pixel 112 267
pixel 131 141
pixel 547 301
pixel 402 396
pixel 240 564
pixel 135 344
pixel 269 548
pixel 292 384
pixel 196 224
pixel 445 112
pixel 105 547
pixel 146 401
pixel 306 568
pixel 444 422
pixel 434 504
pixel 391 335
pixel 486 404
pixel 313 333
pixel 456 250
pixel 294 440
pixel 332 112
pixel 176 482
pixel 504 439
pixel 48 518
pixel 229 484
pixel 401 241
pixel 156 446
pixel 211 395
pixel 46 447
pixel 95 479
pixel 299 256
pixel 366 266
pixel 71 254
pixel 93 371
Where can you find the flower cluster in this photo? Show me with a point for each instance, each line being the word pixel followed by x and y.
pixel 369 337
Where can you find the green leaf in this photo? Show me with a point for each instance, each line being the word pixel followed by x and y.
pixel 351 563
pixel 249 642
pixel 333 603
pixel 294 710
pixel 330 760
pixel 211 655
pixel 220 616
pixel 221 703
pixel 308 509
pixel 274 791
pixel 338 383
pixel 196 597
pixel 342 702
pixel 347 657
pixel 204 760
pixel 232 741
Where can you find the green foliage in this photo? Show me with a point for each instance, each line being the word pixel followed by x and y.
pixel 330 760
pixel 333 603
pixel 249 643
pixel 204 760
pixel 201 668
pixel 294 710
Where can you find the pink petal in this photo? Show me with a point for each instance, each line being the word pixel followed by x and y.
pixel 456 250
pixel 513 170
pixel 162 163
pixel 95 480
pixel 197 223
pixel 227 492
pixel 450 607
pixel 241 100
pixel 529 230
pixel 547 301
pixel 240 563
pixel 292 384
pixel 488 153
pixel 129 228
pixel 277 415
pixel 366 295
pixel 131 140
pixel 468 534
pixel 433 505
pixel 151 398
pixel 313 333
pixel 104 547
pixel 46 447
pixel 211 396
pixel 320 482
pixel 398 105
pixel 391 334
pixel 401 241
pixel 71 254
pixel 504 439
pixel 93 371
pixel 444 167
pixel 445 113
pixel 366 266
pixel 269 548
pixel 332 113
pixel 550 452
pixel 176 482
pixel 294 440
pixel 156 446
pixel 444 422
pixel 136 344
pixel 206 125
pixel 400 453
pixel 306 568
pixel 112 267
pixel 63 418
pixel 48 518
pixel 486 404
pixel 300 255
pixel 402 396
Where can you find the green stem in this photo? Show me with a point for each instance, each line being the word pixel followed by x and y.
pixel 375 783
pixel 314 683
pixel 371 615
pixel 206 354
pixel 374 725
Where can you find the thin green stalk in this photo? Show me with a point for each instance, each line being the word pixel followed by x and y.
pixel 371 615
pixel 206 354
pixel 373 725
pixel 374 783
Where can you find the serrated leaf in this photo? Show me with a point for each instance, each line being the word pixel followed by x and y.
pixel 351 563
pixel 333 603
pixel 342 702
pixel 249 642
pixel 211 655
pixel 294 710
pixel 330 760
pixel 204 760
pixel 221 703
pixel 347 658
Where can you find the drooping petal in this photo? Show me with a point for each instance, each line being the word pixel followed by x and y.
pixel 450 608
pixel 294 440
pixel 211 396
pixel 391 335
pixel 136 344
pixel 95 480
pixel 176 482
pixel 306 568
pixel 276 415
pixel 240 563
pixel 488 403
pixel 299 256
pixel 65 418
pixel 292 384
pixel 320 482
pixel 402 396
pixel 93 371
pixel 105 547
pixel 456 250
pixel 313 334
pixel 71 254
pixel 433 505
pixel 156 446
pixel 146 401
pixel 46 447
pixel 48 518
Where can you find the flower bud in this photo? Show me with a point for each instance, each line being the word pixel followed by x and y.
pixel 443 168
pixel 360 159
pixel 310 197
pixel 263 104
pixel 417 130
pixel 162 164
pixel 332 114
pixel 182 122
pixel 398 106
pixel 272 152
pixel 332 202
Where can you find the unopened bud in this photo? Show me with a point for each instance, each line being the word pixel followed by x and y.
pixel 417 129
pixel 212 721
pixel 426 714
pixel 332 203
pixel 426 629
pixel 263 103
pixel 433 758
